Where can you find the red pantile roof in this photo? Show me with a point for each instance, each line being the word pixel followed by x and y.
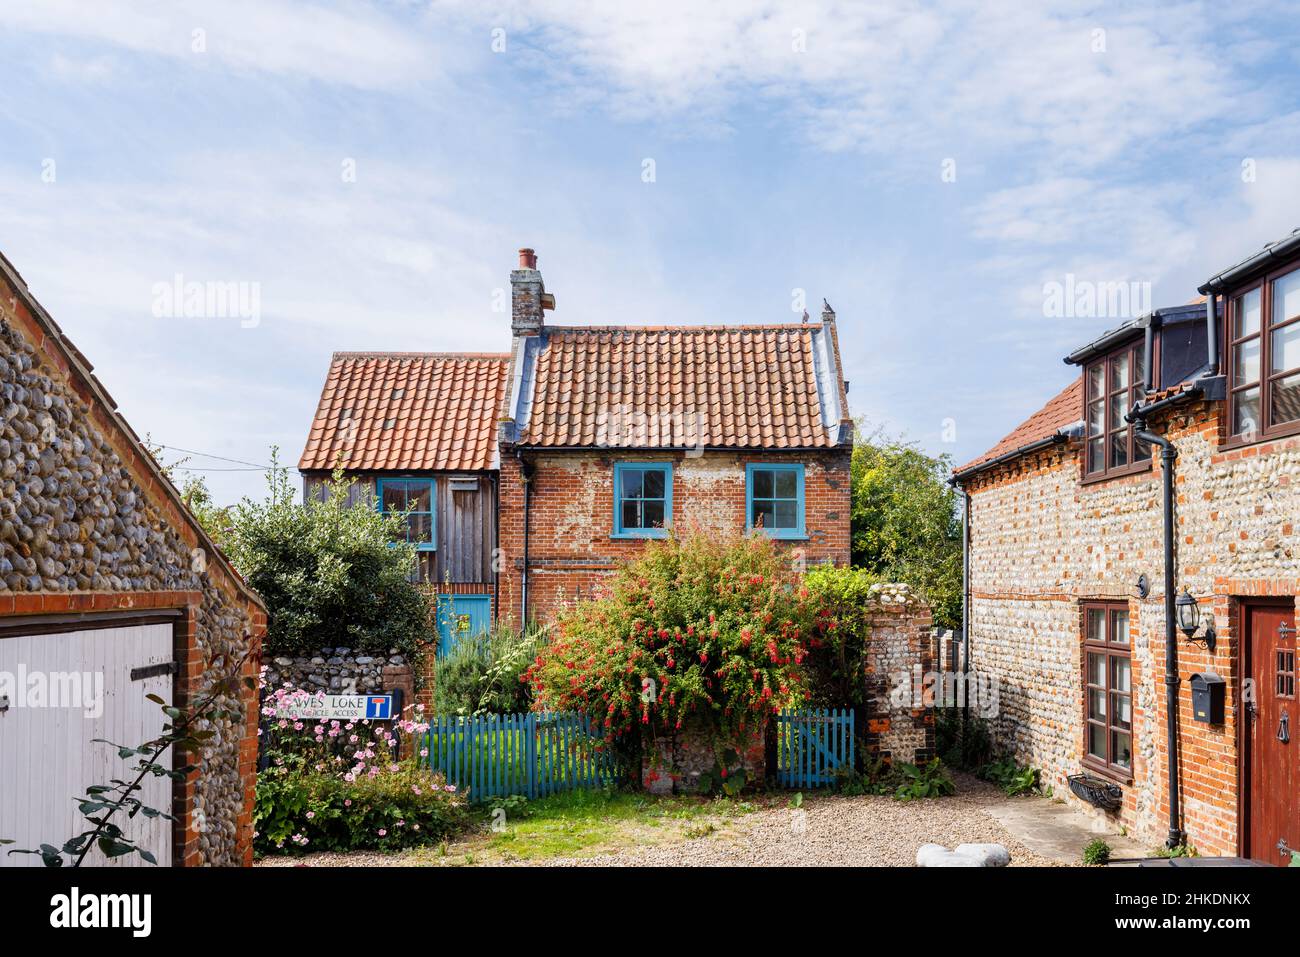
pixel 770 386
pixel 408 411
pixel 1063 410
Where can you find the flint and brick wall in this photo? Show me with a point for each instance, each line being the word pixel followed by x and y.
pixel 87 524
pixel 571 515
pixel 1042 541
pixel 899 721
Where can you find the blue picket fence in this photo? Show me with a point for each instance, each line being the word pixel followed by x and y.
pixel 812 746
pixel 534 754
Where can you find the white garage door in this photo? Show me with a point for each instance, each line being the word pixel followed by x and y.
pixel 48 754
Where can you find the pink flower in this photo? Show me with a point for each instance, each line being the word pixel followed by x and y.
pixel 310 815
pixel 383 832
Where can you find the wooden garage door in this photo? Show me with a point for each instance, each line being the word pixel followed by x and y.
pixel 48 754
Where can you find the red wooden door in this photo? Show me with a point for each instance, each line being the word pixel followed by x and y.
pixel 1272 806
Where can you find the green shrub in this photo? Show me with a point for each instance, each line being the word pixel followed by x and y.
pixel 836 662
pixel 301 810
pixel 1097 852
pixel 929 780
pixel 332 575
pixel 485 675
pixel 339 785
pixel 698 629
pixel 1014 779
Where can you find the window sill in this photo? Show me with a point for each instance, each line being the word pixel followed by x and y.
pixel 1108 773
pixel 652 534
pixel 1128 470
pixel 1287 431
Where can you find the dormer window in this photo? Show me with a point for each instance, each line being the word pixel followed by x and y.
pixel 1264 361
pixel 1112 384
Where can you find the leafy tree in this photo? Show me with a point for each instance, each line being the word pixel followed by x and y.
pixel 332 575
pixel 906 525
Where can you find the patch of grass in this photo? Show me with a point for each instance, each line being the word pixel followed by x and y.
pixel 582 823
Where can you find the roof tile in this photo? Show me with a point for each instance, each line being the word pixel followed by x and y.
pixel 444 418
pixel 1064 409
pixel 679 386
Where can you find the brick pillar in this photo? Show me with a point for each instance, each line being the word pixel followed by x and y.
pixel 899 652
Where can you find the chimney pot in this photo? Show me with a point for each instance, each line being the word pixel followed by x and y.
pixel 527 259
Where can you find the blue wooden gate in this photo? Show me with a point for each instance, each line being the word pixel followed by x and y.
pixel 532 754
pixel 461 617
pixel 813 746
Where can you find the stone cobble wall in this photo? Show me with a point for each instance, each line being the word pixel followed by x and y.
pixel 334 670
pixel 87 523
pixel 676 761
pixel 1042 540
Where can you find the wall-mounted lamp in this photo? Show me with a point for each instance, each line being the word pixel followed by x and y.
pixel 1143 586
pixel 1189 619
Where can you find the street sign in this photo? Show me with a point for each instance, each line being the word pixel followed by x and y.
pixel 338 707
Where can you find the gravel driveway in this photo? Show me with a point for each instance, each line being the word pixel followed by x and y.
pixel 839 831
pixel 829 830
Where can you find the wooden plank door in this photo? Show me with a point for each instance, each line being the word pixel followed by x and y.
pixel 1272 811
pixel 48 754
pixel 461 617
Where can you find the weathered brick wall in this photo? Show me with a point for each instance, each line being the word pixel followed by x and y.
pixel 87 523
pixel 1041 540
pixel 571 550
pixel 899 723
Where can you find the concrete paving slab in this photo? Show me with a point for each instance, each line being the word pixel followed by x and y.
pixel 1057 831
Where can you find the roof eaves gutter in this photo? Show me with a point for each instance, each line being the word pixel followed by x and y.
pixel 1113 338
pixel 1269 254
pixel 1059 437
pixel 1148 409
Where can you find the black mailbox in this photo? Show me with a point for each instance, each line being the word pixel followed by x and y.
pixel 1207 698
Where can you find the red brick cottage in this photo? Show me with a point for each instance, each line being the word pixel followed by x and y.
pixel 530 475
pixel 109 590
pixel 1067 600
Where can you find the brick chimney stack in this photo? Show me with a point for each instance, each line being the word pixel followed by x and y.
pixel 529 298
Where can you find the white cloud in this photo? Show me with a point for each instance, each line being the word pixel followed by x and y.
pixel 352 45
pixel 896 79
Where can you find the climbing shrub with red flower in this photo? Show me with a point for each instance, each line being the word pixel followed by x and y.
pixel 696 629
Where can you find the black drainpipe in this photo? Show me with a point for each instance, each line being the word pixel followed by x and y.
pixel 1211 334
pixel 1148 357
pixel 965 608
pixel 526 470
pixel 1167 455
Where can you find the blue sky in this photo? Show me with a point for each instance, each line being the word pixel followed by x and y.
pixel 928 168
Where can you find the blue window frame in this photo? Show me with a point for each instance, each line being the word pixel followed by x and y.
pixel 418 498
pixel 643 499
pixel 774 499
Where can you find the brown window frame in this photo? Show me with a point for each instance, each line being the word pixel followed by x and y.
pixel 1137 459
pixel 1109 648
pixel 1265 379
